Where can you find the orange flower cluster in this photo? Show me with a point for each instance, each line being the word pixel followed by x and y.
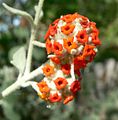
pixel 71 43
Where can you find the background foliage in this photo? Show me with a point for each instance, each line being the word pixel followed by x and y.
pixel 98 97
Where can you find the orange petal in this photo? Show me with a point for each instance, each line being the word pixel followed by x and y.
pixel 48 46
pixel 68 99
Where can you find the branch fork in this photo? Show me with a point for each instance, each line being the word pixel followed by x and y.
pixel 23 79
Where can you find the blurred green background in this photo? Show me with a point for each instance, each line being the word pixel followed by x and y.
pixel 98 99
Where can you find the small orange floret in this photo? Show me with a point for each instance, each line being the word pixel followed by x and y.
pixel 84 21
pixel 54 98
pixel 60 83
pixel 57 48
pixel 95 39
pixel 92 24
pixel 79 62
pixel 95 31
pixel 68 99
pixel 67 29
pixel 51 31
pixel 47 34
pixel 89 52
pixel 75 15
pixel 67 18
pixel 48 70
pixel 43 96
pixel 48 46
pixel 43 87
pixel 75 86
pixel 82 36
pixel 69 44
pixel 65 69
pixel 70 17
pixel 55 22
pixel 55 60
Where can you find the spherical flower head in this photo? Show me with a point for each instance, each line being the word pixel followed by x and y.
pixel 71 43
pixel 66 35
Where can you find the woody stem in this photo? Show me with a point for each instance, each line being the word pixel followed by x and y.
pixel 33 36
pixel 27 74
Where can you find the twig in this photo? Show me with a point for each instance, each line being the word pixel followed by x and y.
pixel 72 70
pixel 39 44
pixel 21 81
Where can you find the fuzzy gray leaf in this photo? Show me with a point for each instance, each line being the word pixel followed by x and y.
pixel 19 59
